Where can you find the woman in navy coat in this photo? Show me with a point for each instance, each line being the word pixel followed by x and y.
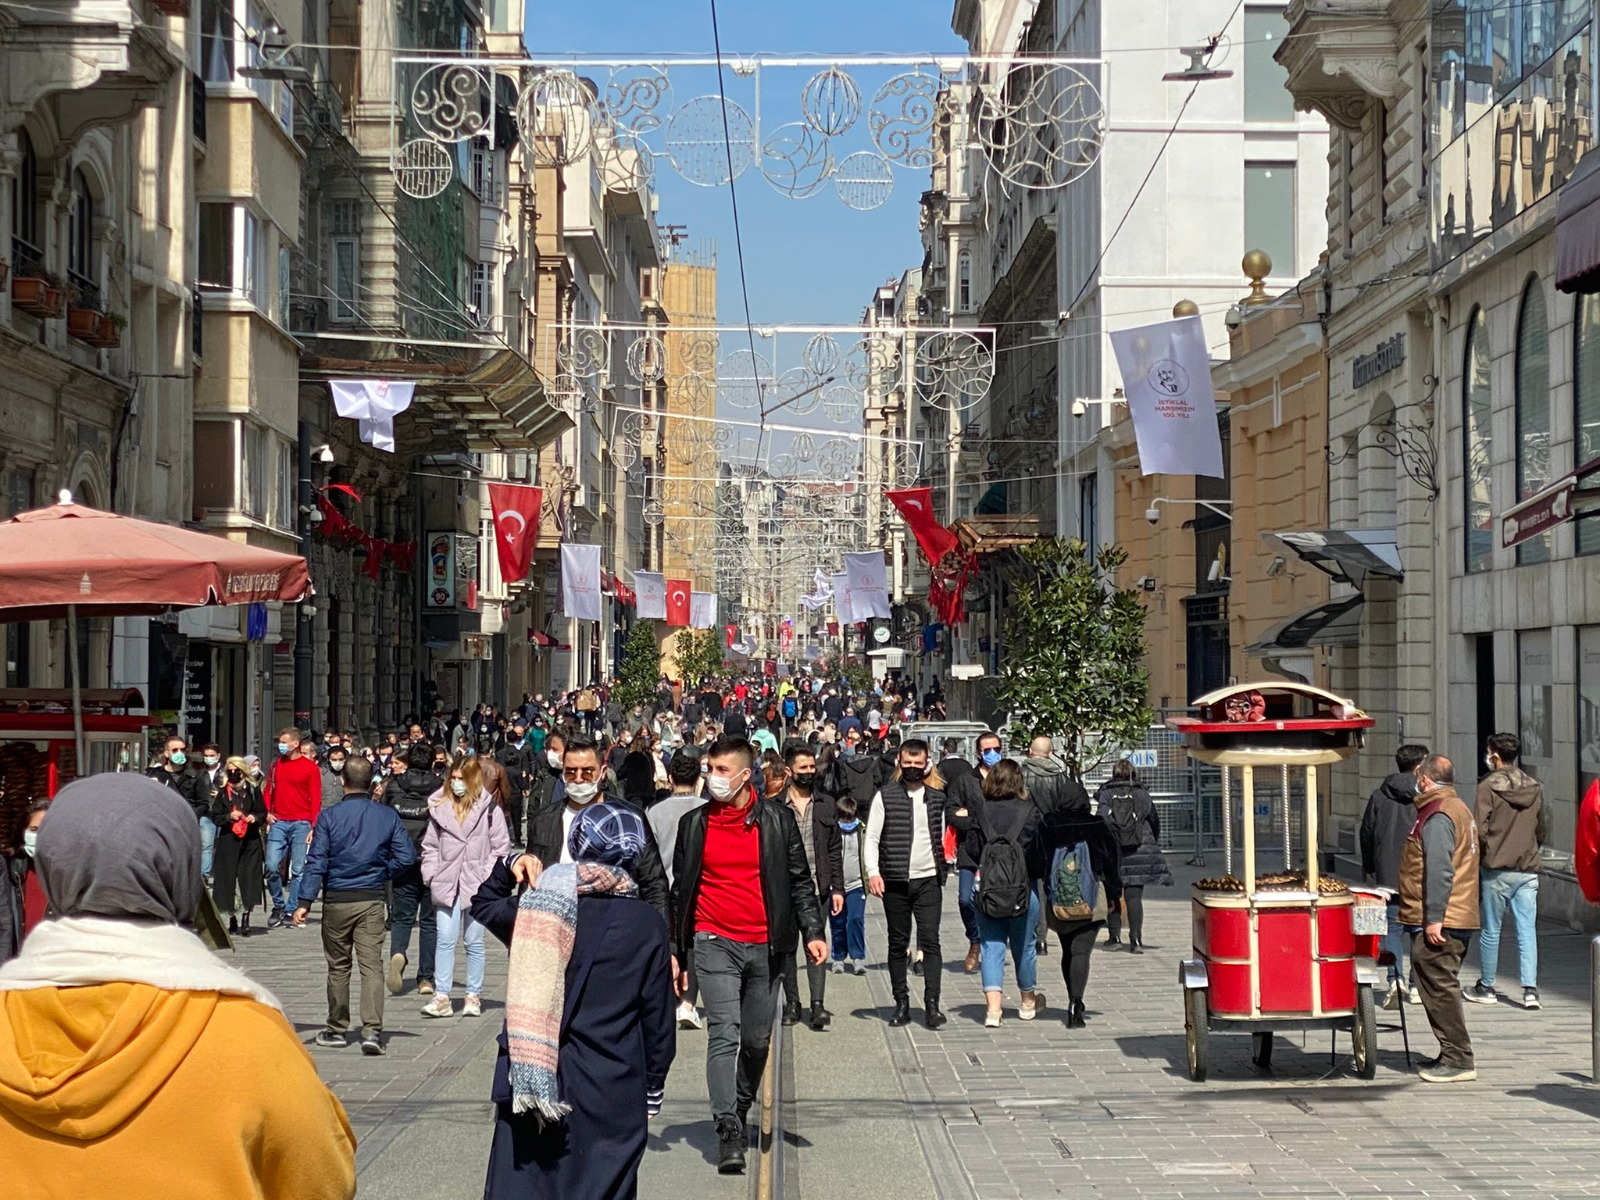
pixel 618 1037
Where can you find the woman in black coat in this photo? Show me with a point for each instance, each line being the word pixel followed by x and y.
pixel 1126 808
pixel 1062 830
pixel 617 1041
pixel 241 818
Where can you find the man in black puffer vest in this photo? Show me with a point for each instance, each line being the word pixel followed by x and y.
pixel 904 853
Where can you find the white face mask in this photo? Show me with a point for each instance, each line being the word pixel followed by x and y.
pixel 581 792
pixel 1488 761
pixel 553 757
pixel 30 841
pixel 723 786
pixel 458 786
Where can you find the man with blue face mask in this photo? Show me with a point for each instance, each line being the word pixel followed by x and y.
pixel 172 770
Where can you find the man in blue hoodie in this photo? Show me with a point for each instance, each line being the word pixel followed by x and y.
pixel 357 847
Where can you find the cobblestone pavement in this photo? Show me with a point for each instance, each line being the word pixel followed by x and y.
pixel 1033 1109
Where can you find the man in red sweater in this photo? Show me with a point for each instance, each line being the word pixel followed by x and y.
pixel 294 799
pixel 743 894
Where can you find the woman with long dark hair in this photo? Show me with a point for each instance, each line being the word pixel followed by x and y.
pixel 1128 811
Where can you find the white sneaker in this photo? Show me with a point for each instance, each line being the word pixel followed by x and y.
pixel 1391 999
pixel 472 1006
pixel 1026 1011
pixel 837 966
pixel 439 1006
pixel 689 1017
pixel 1415 996
pixel 858 965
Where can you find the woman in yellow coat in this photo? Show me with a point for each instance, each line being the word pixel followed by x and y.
pixel 134 1062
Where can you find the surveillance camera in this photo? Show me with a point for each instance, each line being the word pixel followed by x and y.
pixel 1235 317
pixel 1152 514
pixel 1079 408
pixel 323 453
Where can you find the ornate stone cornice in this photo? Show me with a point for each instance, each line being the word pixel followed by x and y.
pixel 1341 55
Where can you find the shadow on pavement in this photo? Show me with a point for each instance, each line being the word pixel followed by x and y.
pixel 1580 1098
pixel 700 1135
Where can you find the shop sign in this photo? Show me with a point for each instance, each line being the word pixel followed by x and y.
pixel 1547 507
pixel 441 565
pixel 1386 357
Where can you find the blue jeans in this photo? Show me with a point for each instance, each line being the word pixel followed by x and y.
pixel 208 845
pixel 1520 889
pixel 850 927
pixel 1016 931
pixel 1395 942
pixel 282 837
pixel 452 924
pixel 966 883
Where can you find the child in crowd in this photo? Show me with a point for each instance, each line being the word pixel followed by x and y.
pixel 850 925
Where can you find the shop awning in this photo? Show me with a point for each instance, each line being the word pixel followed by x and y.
pixel 1349 555
pixel 1335 623
pixel 1578 230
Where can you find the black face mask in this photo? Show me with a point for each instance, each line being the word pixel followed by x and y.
pixel 805 781
pixel 913 775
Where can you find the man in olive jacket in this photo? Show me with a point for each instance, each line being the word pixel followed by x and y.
pixel 1439 908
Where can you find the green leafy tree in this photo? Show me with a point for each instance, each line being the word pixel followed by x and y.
pixel 711 653
pixel 640 673
pixel 699 653
pixel 1075 648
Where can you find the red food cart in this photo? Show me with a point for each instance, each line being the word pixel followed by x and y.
pixel 1276 952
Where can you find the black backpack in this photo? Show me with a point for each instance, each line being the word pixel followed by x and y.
pixel 1123 817
pixel 1003 883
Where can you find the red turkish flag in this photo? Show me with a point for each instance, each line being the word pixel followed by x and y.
pixel 678 601
pixel 916 506
pixel 516 527
pixel 732 632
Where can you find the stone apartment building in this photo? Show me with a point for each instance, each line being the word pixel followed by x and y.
pixel 1461 380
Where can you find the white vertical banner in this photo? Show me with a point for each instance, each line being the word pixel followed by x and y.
pixel 869 590
pixel 841 597
pixel 580 581
pixel 1166 373
pixel 651 588
pixel 702 610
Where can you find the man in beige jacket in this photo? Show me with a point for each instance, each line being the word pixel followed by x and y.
pixel 1511 828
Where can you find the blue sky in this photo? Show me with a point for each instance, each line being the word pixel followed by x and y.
pixel 813 260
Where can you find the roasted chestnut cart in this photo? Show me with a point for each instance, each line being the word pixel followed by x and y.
pixel 1277 952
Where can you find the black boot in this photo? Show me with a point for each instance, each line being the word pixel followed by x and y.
pixel 1075 1015
pixel 1113 940
pixel 1135 946
pixel 791 1013
pixel 244 925
pixel 902 1014
pixel 933 1014
pixel 233 924
pixel 732 1143
pixel 820 1016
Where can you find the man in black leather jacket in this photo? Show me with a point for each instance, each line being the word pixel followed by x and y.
pixel 742 897
pixel 407 791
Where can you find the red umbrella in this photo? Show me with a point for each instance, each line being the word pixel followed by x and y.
pixel 66 559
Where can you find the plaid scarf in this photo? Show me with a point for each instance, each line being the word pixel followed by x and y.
pixel 536 990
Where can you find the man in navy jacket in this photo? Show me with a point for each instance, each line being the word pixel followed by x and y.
pixel 357 847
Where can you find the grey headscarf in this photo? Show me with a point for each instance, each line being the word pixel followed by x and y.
pixel 120 845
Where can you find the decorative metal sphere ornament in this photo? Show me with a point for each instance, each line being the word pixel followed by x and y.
pixel 831 102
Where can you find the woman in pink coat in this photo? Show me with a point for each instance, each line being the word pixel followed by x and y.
pixel 466 836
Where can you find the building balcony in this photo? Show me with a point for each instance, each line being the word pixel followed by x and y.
pixel 96 61
pixel 1341 56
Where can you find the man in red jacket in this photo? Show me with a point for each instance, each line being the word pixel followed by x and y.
pixel 294 800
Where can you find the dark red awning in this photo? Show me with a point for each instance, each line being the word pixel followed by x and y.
pixel 1578 230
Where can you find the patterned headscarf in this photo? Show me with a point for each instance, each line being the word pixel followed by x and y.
pixel 608 834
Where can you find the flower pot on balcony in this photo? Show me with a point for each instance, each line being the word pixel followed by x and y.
pixel 83 323
pixel 173 8
pixel 109 335
pixel 38 297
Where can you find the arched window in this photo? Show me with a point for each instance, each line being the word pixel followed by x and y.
pixel 1477 508
pixel 1586 404
pixel 964 281
pixel 80 249
pixel 25 204
pixel 1533 409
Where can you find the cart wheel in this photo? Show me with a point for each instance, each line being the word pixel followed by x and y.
pixel 1364 1033
pixel 1195 1031
pixel 1262 1055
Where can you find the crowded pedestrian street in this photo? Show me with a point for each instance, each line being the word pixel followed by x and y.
pixel 741 600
